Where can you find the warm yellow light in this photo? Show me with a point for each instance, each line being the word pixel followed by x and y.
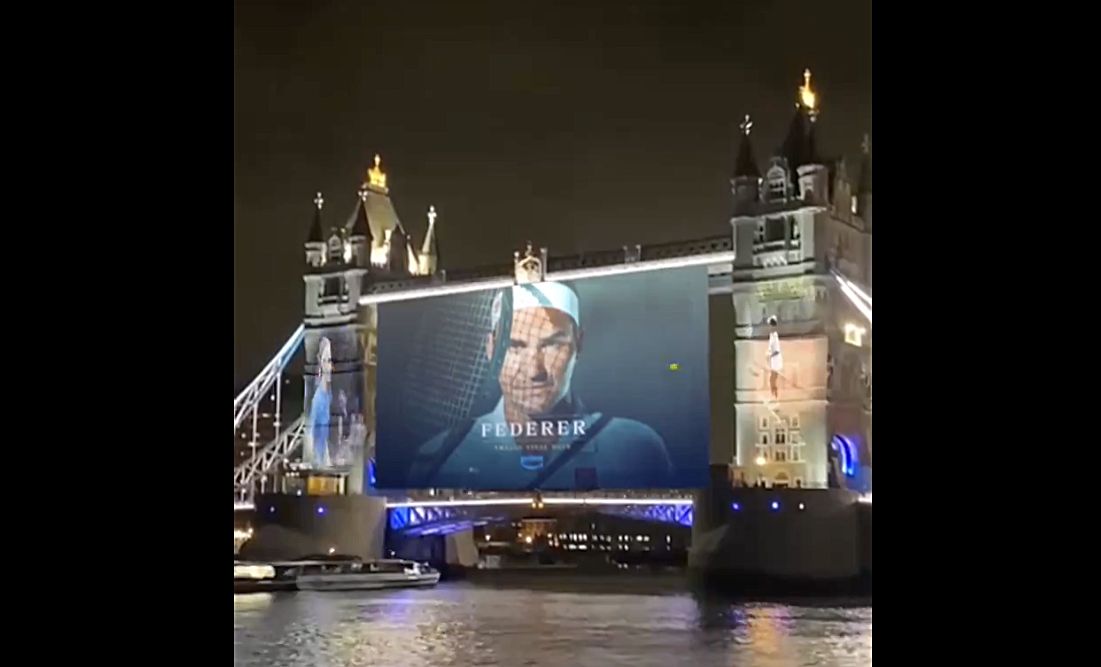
pixel 528 539
pixel 761 460
pixel 854 334
pixel 806 93
pixel 375 175
pixel 332 550
pixel 253 572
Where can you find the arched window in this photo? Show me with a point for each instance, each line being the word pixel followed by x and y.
pixel 776 179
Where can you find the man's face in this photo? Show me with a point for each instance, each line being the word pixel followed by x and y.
pixel 325 356
pixel 538 364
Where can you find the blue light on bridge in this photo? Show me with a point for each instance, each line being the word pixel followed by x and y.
pixel 320 509
pixel 423 519
pixel 737 507
pixel 775 505
pixel 845 447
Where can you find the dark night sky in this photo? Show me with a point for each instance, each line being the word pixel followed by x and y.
pixel 576 126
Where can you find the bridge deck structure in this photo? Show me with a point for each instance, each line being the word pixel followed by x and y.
pixel 716 253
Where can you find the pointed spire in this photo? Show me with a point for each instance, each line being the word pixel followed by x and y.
pixel 864 185
pixel 808 99
pixel 400 250
pixel 799 145
pixel 746 164
pixel 315 228
pixel 429 246
pixel 361 226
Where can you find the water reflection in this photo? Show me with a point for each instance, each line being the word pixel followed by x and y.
pixel 588 622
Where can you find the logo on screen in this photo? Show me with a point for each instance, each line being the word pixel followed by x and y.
pixel 531 462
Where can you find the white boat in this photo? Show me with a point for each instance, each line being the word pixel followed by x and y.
pixel 354 574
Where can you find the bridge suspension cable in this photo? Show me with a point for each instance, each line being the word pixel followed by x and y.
pixel 250 396
pixel 257 465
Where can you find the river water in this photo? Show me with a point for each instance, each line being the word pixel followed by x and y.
pixel 609 621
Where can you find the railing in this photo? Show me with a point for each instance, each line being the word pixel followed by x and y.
pixel 540 501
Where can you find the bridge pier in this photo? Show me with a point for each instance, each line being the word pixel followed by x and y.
pixel 766 541
pixel 451 553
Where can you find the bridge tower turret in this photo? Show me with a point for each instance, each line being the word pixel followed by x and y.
pixel 792 326
pixel 335 430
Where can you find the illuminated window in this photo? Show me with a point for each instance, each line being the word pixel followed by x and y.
pixel 777 177
pixel 854 334
pixel 853 204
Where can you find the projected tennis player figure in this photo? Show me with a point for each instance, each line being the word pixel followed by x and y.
pixel 775 359
pixel 540 435
pixel 319 407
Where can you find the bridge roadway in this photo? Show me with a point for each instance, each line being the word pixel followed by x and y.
pixel 442 516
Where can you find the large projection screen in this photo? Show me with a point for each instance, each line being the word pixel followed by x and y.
pixel 598 383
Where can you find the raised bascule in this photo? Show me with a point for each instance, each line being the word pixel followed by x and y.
pixel 789 496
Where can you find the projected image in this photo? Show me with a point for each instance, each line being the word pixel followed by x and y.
pixel 781 368
pixel 775 359
pixel 599 383
pixel 335 427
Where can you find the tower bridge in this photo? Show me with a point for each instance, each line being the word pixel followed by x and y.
pixel 795 264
